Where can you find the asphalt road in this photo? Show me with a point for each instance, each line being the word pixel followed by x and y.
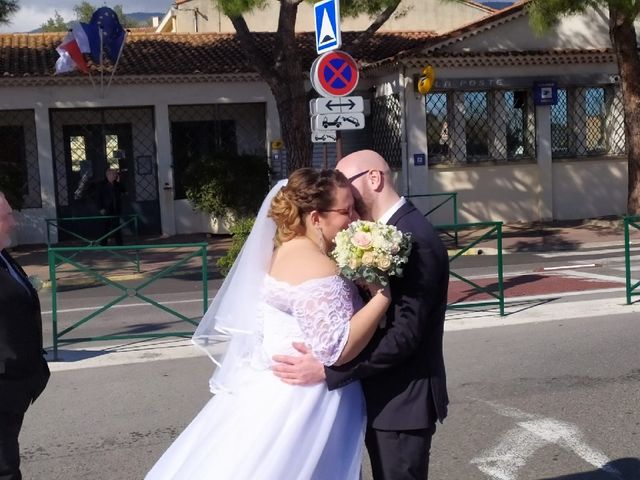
pixel 551 400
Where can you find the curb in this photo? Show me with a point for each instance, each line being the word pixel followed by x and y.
pixel 475 251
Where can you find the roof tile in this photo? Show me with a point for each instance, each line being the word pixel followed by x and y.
pixel 186 54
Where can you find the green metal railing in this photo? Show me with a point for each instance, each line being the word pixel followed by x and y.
pixel 630 289
pixel 128 220
pixel 494 232
pixel 65 255
pixel 447 197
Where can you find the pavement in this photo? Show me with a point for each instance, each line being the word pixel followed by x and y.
pixel 120 265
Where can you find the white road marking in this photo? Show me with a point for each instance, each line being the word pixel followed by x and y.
pixel 582 253
pixel 596 276
pixel 504 461
pixel 536 310
pixel 569 267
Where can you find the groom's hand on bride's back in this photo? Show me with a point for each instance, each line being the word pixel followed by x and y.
pixel 299 370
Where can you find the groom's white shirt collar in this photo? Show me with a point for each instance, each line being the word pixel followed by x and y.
pixel 386 216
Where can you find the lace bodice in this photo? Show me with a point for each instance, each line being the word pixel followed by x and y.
pixel 316 312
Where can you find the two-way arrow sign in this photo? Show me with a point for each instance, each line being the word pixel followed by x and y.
pixel 336 105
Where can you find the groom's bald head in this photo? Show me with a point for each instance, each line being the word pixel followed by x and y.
pixel 371 182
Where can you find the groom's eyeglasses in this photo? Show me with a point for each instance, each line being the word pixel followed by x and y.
pixel 357 175
pixel 364 172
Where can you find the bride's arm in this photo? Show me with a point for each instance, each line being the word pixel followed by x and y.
pixel 325 315
pixel 364 324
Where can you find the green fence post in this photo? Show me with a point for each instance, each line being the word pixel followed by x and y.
pixel 135 230
pixel 455 218
pixel 54 301
pixel 500 268
pixel 627 259
pixel 205 280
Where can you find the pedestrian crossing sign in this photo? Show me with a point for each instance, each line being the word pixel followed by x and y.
pixel 327 22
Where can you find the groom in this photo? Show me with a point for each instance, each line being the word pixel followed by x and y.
pixel 402 369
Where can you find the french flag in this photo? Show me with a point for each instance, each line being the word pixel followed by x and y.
pixel 71 50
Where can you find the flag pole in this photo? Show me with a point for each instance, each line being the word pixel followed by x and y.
pixel 115 65
pixel 101 63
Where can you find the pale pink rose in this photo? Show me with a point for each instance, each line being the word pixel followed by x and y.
pixel 362 240
pixel 368 258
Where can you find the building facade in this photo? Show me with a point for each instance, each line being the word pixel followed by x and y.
pixel 483 131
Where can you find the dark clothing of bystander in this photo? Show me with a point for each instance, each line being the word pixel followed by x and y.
pixel 23 370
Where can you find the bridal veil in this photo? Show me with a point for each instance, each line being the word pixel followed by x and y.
pixel 232 316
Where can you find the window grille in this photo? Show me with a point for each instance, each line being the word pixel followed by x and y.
pixel 469 127
pixel 386 125
pixel 202 131
pixel 20 151
pixel 588 121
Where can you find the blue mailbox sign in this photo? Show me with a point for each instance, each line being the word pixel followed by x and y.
pixel 545 93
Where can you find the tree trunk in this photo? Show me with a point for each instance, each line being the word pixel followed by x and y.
pixel 293 112
pixel 283 73
pixel 623 39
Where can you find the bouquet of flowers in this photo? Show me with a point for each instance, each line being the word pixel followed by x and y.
pixel 371 251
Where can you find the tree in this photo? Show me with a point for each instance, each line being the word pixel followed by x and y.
pixel 282 69
pixel 544 14
pixel 7 8
pixel 84 11
pixel 55 24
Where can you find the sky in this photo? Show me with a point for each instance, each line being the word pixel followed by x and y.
pixel 33 13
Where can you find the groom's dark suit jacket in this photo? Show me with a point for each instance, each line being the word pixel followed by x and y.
pixel 402 368
pixel 23 370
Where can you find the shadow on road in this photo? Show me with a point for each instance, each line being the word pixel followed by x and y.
pixel 621 469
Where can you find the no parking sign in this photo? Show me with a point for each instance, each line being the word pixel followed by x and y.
pixel 334 74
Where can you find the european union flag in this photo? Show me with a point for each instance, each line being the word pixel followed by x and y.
pixel 104 21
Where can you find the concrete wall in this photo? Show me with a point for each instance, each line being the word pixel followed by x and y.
pixel 411 15
pixel 488 193
pixel 589 188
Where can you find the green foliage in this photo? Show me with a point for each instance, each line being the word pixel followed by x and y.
pixel 240 231
pixel 7 8
pixel 227 185
pixel 544 14
pixel 352 8
pixel 235 8
pixel 55 24
pixel 12 184
pixel 348 8
pixel 84 10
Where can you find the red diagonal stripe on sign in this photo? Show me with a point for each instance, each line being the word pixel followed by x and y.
pixel 337 73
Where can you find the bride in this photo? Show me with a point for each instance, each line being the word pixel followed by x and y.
pixel 256 426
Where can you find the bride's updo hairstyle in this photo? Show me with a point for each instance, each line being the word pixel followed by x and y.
pixel 306 190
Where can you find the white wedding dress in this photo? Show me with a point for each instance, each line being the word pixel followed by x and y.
pixel 266 429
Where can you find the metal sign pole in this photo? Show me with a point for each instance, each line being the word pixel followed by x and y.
pixel 338 146
pixel 325 156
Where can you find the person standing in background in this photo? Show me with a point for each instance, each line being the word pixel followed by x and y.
pixel 23 370
pixel 110 204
